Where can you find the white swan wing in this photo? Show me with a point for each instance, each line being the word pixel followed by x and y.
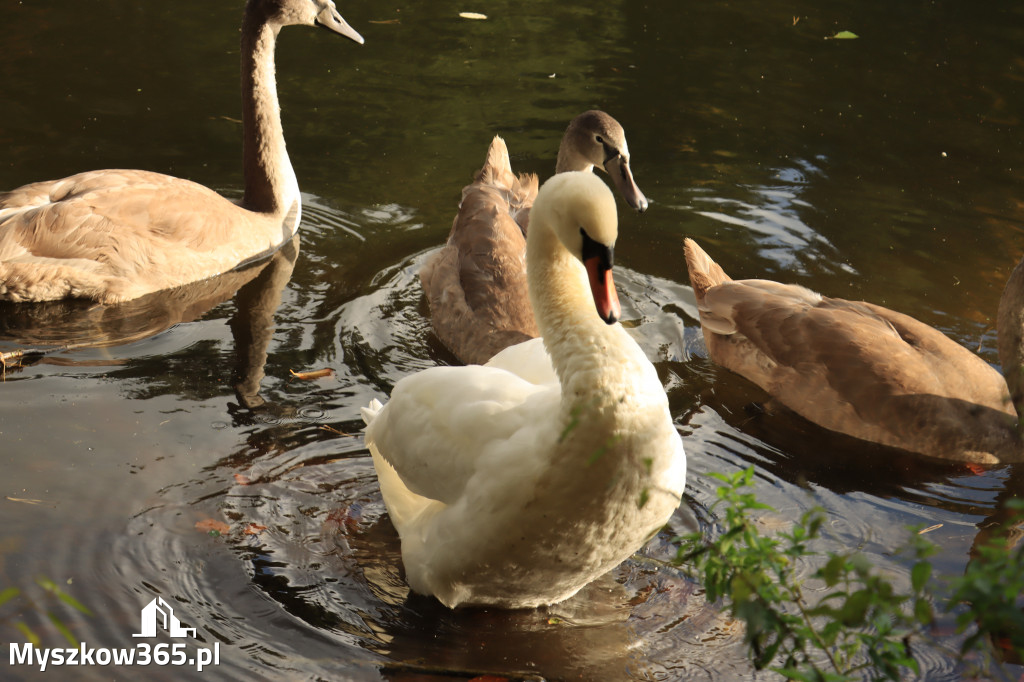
pixel 445 425
pixel 528 360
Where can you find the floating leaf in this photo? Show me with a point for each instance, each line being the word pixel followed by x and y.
pixel 472 15
pixel 23 500
pixel 213 527
pixel 242 479
pixel 315 374
pixel 844 35
pixel 254 529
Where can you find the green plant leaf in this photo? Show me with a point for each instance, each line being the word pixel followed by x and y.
pixel 845 35
pixel 833 569
pixel 919 575
pixel 74 603
pixel 923 611
pixel 55 590
pixel 9 594
pixel 28 633
pixel 62 629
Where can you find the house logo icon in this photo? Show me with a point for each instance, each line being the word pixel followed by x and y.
pixel 159 612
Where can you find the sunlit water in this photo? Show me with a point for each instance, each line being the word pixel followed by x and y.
pixel 886 168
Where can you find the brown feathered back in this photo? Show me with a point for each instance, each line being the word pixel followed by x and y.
pixel 476 285
pixel 856 368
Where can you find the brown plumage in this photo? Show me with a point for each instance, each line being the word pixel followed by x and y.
pixel 476 284
pixel 859 368
pixel 116 235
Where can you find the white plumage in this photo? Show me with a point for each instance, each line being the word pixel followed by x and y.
pixel 518 482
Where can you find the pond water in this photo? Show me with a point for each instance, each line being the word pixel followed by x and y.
pixel 887 168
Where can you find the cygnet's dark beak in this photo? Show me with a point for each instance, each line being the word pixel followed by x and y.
pixel 330 19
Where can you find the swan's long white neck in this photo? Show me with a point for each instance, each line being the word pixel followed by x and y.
pixel 580 344
pixel 616 431
pixel 270 182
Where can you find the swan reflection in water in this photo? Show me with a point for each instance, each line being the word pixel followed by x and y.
pixel 48 333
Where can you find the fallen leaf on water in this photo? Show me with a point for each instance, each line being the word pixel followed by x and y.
pixel 24 500
pixel 472 15
pixel 242 479
pixel 213 527
pixel 254 529
pixel 315 374
pixel 929 529
pixel 385 21
pixel 325 427
pixel 843 35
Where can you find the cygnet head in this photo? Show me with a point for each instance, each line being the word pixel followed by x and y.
pixel 580 209
pixel 304 13
pixel 596 139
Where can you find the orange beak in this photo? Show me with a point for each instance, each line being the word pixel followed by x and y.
pixel 602 286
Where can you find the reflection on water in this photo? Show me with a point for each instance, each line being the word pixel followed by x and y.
pixel 796 158
pixel 772 217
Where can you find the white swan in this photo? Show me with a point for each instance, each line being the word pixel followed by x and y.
pixel 116 235
pixel 516 483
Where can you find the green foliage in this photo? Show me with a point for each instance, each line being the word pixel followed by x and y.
pixel 863 626
pixel 992 586
pixel 14 599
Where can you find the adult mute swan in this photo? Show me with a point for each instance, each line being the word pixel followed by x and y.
pixel 115 235
pixel 864 370
pixel 516 483
pixel 476 284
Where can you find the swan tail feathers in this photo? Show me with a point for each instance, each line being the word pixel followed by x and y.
pixel 704 272
pixel 497 169
pixel 370 412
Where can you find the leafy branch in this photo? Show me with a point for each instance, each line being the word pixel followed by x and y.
pixel 863 625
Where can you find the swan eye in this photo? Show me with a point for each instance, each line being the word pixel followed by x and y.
pixel 600 140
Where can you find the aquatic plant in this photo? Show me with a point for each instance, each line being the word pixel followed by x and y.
pixel 16 599
pixel 863 625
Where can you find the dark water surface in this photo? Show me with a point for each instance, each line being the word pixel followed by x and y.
pixel 888 168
